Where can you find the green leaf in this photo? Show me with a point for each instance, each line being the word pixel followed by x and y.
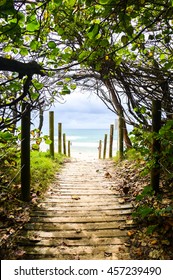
pixel 51 44
pixel 24 51
pixel 35 147
pixel 162 56
pixel 58 2
pixel 73 86
pixel 144 211
pixel 93 31
pixel 2 2
pixel 168 65
pixel 7 48
pixel 65 90
pixel 67 79
pixel 118 61
pixel 104 2
pixel 71 3
pixel 38 85
pixel 124 39
pixel 60 83
pixel 33 25
pixel 151 228
pixel 60 31
pixel 48 141
pixel 104 42
pixel 34 45
pixel 83 55
pixel 34 95
pixel 6 136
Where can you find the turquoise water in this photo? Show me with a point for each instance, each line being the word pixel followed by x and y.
pixel 86 141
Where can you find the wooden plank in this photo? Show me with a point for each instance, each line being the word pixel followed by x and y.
pixel 100 256
pixel 40 225
pixel 79 219
pixel 73 234
pixel 82 250
pixel 49 242
pixel 79 203
pixel 55 197
pixel 55 214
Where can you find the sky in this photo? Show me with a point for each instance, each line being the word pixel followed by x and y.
pixel 81 110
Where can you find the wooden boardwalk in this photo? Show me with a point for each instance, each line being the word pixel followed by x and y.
pixel 80 217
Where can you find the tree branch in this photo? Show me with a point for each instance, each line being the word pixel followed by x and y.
pixel 24 69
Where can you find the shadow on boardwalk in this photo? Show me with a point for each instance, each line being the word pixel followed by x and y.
pixel 81 217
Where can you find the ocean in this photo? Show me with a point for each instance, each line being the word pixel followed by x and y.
pixel 85 141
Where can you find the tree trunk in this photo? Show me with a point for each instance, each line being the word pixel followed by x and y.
pixel 41 119
pixel 156 146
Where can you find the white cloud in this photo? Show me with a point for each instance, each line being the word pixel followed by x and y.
pixel 81 110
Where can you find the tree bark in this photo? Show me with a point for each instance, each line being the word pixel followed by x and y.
pixel 156 146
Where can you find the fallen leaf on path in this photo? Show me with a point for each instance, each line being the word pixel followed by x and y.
pixel 107 254
pixel 127 244
pixel 138 251
pixel 165 242
pixel 121 200
pixel 75 197
pixel 155 254
pixel 108 175
pixel 131 233
pixel 129 222
pixel 20 253
pixel 154 242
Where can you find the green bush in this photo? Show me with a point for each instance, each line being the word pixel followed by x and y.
pixel 142 142
pixel 43 168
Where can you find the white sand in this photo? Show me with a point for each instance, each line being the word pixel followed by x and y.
pixel 84 156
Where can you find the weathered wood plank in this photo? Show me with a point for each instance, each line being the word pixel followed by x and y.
pixel 82 250
pixel 39 224
pixel 73 234
pixel 82 208
pixel 118 214
pixel 98 256
pixel 49 242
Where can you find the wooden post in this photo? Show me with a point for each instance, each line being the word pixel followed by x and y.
pixel 25 152
pixel 64 144
pixel 59 138
pixel 104 147
pixel 111 140
pixel 51 132
pixel 69 154
pixel 120 136
pixel 116 133
pixel 155 150
pixel 100 148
